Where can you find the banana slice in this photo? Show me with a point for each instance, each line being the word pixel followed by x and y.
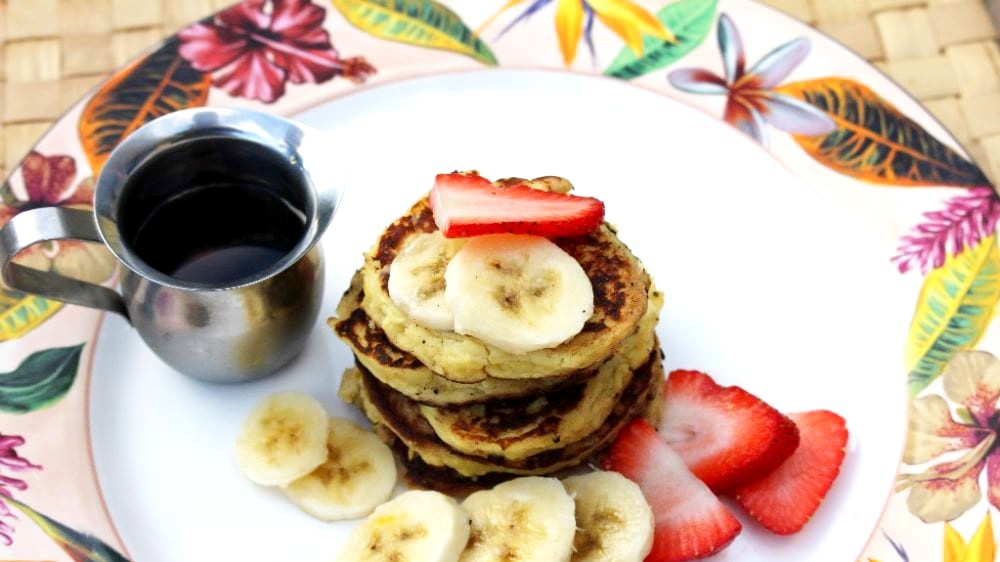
pixel 526 519
pixel 416 279
pixel 282 438
pixel 614 522
pixel 359 473
pixel 554 184
pixel 518 293
pixel 417 526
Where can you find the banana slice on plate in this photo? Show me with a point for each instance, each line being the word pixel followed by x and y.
pixel 416 279
pixel 526 519
pixel 282 438
pixel 614 522
pixel 519 293
pixel 358 474
pixel 419 525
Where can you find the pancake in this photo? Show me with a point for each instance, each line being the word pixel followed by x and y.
pixel 620 293
pixel 405 373
pixel 522 427
pixel 392 411
pixel 654 400
pixel 419 474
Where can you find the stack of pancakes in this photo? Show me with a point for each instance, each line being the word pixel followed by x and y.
pixel 461 411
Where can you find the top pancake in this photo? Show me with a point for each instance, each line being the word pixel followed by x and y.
pixel 620 287
pixel 405 373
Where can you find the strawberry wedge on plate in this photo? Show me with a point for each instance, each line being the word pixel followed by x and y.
pixel 727 436
pixel 469 205
pixel 785 500
pixel 690 522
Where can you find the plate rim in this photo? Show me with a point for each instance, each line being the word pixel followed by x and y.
pixel 336 23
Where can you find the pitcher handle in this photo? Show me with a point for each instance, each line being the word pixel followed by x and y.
pixel 53 223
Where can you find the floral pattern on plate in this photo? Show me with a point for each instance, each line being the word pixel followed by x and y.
pixel 254 48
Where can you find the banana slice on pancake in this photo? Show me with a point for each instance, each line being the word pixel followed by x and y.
pixel 519 293
pixel 416 279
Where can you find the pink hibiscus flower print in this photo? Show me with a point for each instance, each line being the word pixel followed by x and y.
pixel 11 461
pixel 48 181
pixel 954 447
pixel 256 46
pixel 751 102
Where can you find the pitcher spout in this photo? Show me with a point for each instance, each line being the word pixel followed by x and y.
pixel 312 155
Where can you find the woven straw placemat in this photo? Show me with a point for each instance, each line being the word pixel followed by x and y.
pixel 944 51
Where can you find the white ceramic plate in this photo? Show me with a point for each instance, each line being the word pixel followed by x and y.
pixel 763 288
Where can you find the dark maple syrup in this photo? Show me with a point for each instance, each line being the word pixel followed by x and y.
pixel 218 235
pixel 231 214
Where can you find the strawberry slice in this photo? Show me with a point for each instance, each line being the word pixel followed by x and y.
pixel 690 522
pixel 786 499
pixel 727 436
pixel 466 205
